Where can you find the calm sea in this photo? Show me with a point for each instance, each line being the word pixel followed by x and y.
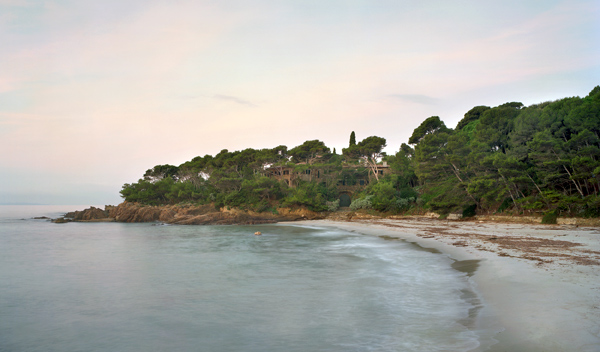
pixel 150 287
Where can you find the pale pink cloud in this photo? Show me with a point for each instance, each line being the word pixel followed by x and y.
pixel 139 57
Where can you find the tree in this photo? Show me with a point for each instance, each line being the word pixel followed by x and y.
pixel 403 164
pixel 369 150
pixel 429 126
pixel 309 151
pixel 385 196
pixel 471 115
pixel 352 139
pixel 161 171
pixel 494 126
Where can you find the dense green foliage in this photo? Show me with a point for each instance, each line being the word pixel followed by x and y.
pixel 544 159
pixel 514 158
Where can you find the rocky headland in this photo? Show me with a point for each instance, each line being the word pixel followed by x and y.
pixel 185 215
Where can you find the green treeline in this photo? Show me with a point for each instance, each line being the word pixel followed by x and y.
pixel 544 158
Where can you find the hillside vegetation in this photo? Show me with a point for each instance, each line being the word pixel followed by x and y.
pixel 540 159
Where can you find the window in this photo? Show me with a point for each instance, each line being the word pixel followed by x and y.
pixel 286 172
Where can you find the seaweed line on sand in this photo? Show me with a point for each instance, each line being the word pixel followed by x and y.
pixel 532 247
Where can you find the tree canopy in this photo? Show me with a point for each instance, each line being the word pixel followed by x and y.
pixel 430 125
pixel 509 158
pixel 309 151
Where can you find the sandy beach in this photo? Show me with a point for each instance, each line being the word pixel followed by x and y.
pixel 540 284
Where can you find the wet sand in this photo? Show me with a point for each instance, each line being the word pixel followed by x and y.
pixel 540 284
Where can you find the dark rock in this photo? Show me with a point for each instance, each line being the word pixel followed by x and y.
pixel 92 213
pixel 61 221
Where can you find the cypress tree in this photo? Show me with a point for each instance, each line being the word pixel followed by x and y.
pixel 352 139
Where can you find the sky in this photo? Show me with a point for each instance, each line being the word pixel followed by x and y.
pixel 93 93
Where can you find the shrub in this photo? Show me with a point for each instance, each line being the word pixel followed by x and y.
pixel 550 217
pixel 469 211
pixel 262 206
pixel 361 203
pixel 404 203
pixel 506 203
pixel 384 196
pixel 591 207
pixel 333 206
pixel 308 194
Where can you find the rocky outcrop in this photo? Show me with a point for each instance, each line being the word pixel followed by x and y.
pixel 299 214
pixel 187 215
pixel 90 214
pixel 133 212
pixel 60 221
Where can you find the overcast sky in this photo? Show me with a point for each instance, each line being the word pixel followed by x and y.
pixel 93 93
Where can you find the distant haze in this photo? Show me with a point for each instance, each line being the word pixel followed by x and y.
pixel 93 93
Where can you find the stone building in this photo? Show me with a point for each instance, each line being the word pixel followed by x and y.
pixel 350 179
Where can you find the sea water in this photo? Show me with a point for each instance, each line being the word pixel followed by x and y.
pixel 153 287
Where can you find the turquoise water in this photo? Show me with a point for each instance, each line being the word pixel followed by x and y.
pixel 149 287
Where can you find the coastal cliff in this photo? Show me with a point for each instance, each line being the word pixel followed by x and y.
pixel 186 215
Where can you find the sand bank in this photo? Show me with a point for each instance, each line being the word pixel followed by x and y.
pixel 540 284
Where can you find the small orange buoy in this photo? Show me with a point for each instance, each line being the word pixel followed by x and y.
pixel 257 233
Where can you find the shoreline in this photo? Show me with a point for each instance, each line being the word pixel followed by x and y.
pixel 540 284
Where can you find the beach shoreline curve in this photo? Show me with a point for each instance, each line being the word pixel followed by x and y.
pixel 539 283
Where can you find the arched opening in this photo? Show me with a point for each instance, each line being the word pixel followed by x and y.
pixel 345 200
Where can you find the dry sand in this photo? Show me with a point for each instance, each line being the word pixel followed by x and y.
pixel 540 284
